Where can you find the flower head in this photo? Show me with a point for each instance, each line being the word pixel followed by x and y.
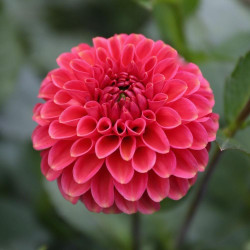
pixel 125 124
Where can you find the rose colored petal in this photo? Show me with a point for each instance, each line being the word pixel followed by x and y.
pixel 71 199
pixel 155 138
pixel 211 126
pixel 63 97
pixel 150 64
pixel 48 91
pixel 119 128
pixel 174 89
pixel 166 52
pixel 167 118
pixel 186 109
pixel 81 146
pixel 86 167
pixel 49 173
pixel 120 170
pixel 144 48
pixel 136 127
pixel 180 137
pixel 127 147
pixel 146 205
pixel 59 155
pixel 178 187
pixel 50 110
pixel 41 139
pixel 157 187
pixel 89 202
pixel 112 210
pixel 88 56
pixel 60 76
pixel 190 79
pixel 192 180
pixel 148 116
pixel 37 116
pixel 128 207
pixel 106 145
pixel 93 108
pixel 61 131
pixel 200 137
pixel 165 164
pixel 86 126
pixel 167 67
pixel 143 159
pixel 71 115
pixel 101 55
pixel 104 126
pixel 133 190
pixel 64 60
pixel 115 48
pixel 102 188
pixel 158 101
pixel 186 164
pixel 81 68
pixel 201 157
pixel 70 187
pixel 202 104
pixel 128 54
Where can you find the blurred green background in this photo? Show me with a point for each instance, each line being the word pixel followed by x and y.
pixel 33 215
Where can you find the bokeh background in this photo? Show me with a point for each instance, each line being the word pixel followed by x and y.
pixel 33 215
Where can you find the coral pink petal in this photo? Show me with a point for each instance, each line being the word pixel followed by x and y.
pixel 81 146
pixel 112 210
pixel 128 147
pixel 186 109
pixel 89 202
pixel 186 164
pixel 61 131
pixel 106 145
pixel 155 138
pixel 49 173
pixel 59 155
pixel 128 207
pixel 174 89
pixel 167 67
pixel 157 187
pixel 200 136
pixel 64 60
pixel 71 115
pixel 202 104
pixel 211 127
pixel 128 54
pixel 180 137
pixel 102 188
pixel 70 187
pixel 50 110
pixel 86 126
pixel 71 199
pixel 165 164
pixel 146 205
pixel 143 159
pixel 148 116
pixel 120 170
pixel 86 167
pixel 136 127
pixel 41 138
pixel 144 48
pixel 167 118
pixel 60 77
pixel 133 190
pixel 201 157
pixel 104 126
pixel 178 187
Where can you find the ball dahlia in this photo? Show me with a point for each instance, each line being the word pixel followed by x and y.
pixel 125 124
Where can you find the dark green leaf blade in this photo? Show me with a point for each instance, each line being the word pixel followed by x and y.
pixel 237 89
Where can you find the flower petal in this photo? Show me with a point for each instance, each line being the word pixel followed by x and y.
pixel 128 147
pixel 128 207
pixel 81 146
pixel 71 115
pixel 201 157
pixel 120 170
pixel 86 167
pixel 174 89
pixel 102 188
pixel 146 205
pixel 89 202
pixel 50 110
pixel 178 187
pixel 86 126
pixel 168 118
pixel 61 131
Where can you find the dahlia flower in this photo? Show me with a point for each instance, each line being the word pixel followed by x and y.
pixel 124 124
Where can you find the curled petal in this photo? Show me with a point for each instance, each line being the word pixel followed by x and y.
pixel 174 89
pixel 133 190
pixel 155 138
pixel 201 157
pixel 167 118
pixel 86 167
pixel 157 187
pixel 119 128
pixel 127 147
pixel 81 146
pixel 106 145
pixel 59 155
pixel 121 170
pixel 102 188
pixel 146 205
pixel 64 60
pixel 86 126
pixel 211 125
pixel 178 187
pixel 60 77
pixel 144 48
pixel 167 67
pixel 70 187
pixel 89 202
pixel 165 164
pixel 50 110
pixel 143 159
pixel 71 115
pixel 61 131
pixel 180 137
pixel 136 127
pixel 104 126
pixel 128 54
pixel 128 207
pixel 71 199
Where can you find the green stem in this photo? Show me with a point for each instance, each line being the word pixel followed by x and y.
pixel 136 231
pixel 230 132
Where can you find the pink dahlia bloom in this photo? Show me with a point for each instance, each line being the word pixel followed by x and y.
pixel 125 124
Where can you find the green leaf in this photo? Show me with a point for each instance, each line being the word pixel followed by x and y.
pixel 237 89
pixel 189 6
pixel 226 143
